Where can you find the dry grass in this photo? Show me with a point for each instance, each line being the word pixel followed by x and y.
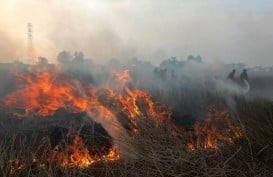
pixel 157 152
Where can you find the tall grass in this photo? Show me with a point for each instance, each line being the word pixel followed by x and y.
pixel 156 151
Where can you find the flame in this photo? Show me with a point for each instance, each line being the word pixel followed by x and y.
pixel 44 90
pixel 43 93
pixel 75 155
pixel 212 132
pixel 78 155
pixel 137 103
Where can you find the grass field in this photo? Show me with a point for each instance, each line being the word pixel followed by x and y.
pixel 156 151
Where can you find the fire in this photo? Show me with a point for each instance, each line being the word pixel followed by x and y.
pixel 124 78
pixel 77 155
pixel 137 103
pixel 44 90
pixel 112 155
pixel 215 130
pixel 42 93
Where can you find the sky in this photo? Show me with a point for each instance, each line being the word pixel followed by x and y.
pixel 151 30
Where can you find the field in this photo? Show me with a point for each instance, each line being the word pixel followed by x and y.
pixel 198 133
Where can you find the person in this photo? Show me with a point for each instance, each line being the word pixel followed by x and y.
pixel 231 74
pixel 243 75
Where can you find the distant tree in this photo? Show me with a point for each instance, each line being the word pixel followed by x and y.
pixel 78 58
pixel 190 57
pixel 197 59
pixel 64 57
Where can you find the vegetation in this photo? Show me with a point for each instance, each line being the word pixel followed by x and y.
pixel 155 151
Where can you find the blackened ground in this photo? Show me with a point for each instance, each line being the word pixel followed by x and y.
pixel 56 131
pixel 96 138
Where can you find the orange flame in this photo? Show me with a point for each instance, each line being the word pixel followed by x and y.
pixel 77 155
pixel 43 93
pixel 137 103
pixel 208 134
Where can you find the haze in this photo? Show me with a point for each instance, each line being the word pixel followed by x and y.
pixel 229 31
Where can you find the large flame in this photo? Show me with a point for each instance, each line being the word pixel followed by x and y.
pixel 43 91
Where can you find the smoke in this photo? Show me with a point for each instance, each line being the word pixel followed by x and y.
pixel 183 85
pixel 187 81
pixel 8 48
pixel 171 74
pixel 186 87
pixel 226 30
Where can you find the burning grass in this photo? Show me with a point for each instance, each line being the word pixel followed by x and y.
pixel 77 154
pixel 157 152
pixel 42 93
pixel 216 130
pixel 220 143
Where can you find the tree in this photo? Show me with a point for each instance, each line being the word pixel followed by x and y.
pixel 64 57
pixel 78 58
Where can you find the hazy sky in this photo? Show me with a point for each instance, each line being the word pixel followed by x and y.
pixel 227 30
